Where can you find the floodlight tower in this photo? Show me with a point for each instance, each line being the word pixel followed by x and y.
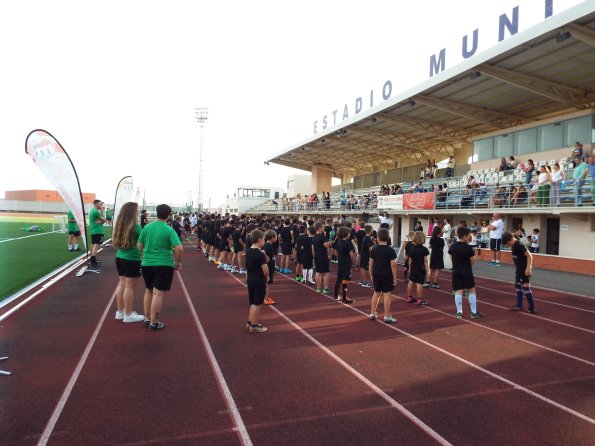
pixel 201 114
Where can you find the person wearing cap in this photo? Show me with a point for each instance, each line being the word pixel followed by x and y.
pixel 96 222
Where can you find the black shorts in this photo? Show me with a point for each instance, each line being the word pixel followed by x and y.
pixel 322 265
pixel 224 246
pixel 128 268
pixel 307 262
pixel 522 278
pixel 417 276
pixel 462 280
pixel 364 263
pixel 75 233
pixel 237 248
pixel 286 249
pixel 159 277
pixel 96 239
pixel 383 284
pixel 256 293
pixel 344 274
pixel 495 244
pixel 437 262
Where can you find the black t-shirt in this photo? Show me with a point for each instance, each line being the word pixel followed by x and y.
pixel 236 238
pixel 299 245
pixel 461 254
pixel 269 250
pixel 177 227
pixel 344 250
pixel 367 244
pixel 327 231
pixel 359 235
pixel 143 221
pixel 318 242
pixel 254 261
pixel 437 245
pixel 295 229
pixel 382 256
pixel 307 253
pixel 225 231
pixel 285 234
pixel 408 246
pixel 518 255
pixel 417 254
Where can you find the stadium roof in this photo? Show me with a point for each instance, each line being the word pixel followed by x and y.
pixel 535 74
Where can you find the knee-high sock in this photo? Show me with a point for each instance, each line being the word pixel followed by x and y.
pixel 519 295
pixel 344 286
pixel 459 302
pixel 337 286
pixel 310 274
pixel 473 302
pixel 529 296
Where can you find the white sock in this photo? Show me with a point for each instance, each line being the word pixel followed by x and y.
pixel 69 246
pixel 76 246
pixel 473 302
pixel 459 302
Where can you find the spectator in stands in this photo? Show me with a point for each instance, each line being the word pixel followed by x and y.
pixel 327 201
pixel 497 197
pixel 519 196
pixel 418 226
pixel 579 174
pixel 440 194
pixel 592 173
pixel 450 166
pixel 428 170
pixel 512 163
pixel 557 176
pixel 343 199
pixel 466 198
pixel 503 165
pixel 543 187
pixel 434 169
pixel 529 169
pixel 577 153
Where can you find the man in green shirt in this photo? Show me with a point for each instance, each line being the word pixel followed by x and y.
pixel 579 174
pixel 96 221
pixel 73 233
pixel 162 253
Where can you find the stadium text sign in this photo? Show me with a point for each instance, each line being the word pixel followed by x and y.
pixel 507 24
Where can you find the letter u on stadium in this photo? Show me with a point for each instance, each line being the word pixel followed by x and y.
pixel 530 97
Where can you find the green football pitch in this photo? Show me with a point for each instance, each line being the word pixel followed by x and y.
pixel 27 256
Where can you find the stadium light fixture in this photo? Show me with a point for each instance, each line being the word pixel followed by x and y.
pixel 474 74
pixel 564 35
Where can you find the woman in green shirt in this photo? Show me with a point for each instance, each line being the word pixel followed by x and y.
pixel 128 261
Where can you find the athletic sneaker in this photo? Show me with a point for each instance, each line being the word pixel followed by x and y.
pixel 242 271
pixel 459 315
pixel 269 301
pixel 156 326
pixel 497 264
pixel 475 316
pixel 257 329
pixel 311 282
pixel 133 317
pixel 426 285
pixel 389 319
pixel 147 322
pixel 436 286
pixel 372 316
pixel 247 326
pixel 234 270
pixel 421 302
pixel 326 291
pixel 515 308
pixel 410 300
pixel 347 300
pixel 120 315
pixel 531 310
pixel 288 271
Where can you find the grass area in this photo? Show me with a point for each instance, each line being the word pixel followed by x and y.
pixel 24 260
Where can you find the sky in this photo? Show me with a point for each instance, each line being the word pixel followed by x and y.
pixel 117 82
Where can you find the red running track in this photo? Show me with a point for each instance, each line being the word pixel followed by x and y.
pixel 323 374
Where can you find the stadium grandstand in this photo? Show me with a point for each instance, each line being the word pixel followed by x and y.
pixel 530 97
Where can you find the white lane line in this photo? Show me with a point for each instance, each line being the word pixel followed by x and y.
pixel 409 415
pixel 231 404
pixel 469 363
pixel 47 432
pixel 511 293
pixel 28 236
pixel 533 316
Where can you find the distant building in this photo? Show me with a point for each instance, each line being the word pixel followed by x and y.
pixel 49 196
pixel 299 184
pixel 248 197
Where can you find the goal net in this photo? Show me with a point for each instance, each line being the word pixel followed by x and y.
pixel 59 223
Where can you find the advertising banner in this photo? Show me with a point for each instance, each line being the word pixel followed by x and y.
pixel 53 161
pixel 419 201
pixel 390 202
pixel 124 194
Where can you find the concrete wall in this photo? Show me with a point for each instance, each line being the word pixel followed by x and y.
pixel 322 180
pixel 577 238
pixel 301 185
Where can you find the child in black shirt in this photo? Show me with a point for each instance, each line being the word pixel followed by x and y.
pixel 320 247
pixel 299 253
pixel 462 255
pixel 436 256
pixel 308 258
pixel 418 268
pixel 383 269
pixel 270 238
pixel 364 257
pixel 257 272
pixel 345 256
pixel 523 261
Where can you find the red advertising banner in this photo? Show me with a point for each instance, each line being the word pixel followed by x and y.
pixel 418 201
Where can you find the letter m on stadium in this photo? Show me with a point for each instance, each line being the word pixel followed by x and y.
pixel 437 64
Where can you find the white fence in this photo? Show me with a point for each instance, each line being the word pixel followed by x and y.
pixel 42 207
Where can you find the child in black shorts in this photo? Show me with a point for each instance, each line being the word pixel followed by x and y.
pixel 270 238
pixel 462 274
pixel 345 256
pixel 364 257
pixel 523 262
pixel 436 257
pixel 418 268
pixel 308 257
pixel 407 246
pixel 257 273
pixel 383 269
pixel 299 253
pixel 320 246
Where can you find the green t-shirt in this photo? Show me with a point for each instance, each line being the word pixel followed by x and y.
pixel 158 239
pixel 72 226
pixel 108 213
pixel 96 228
pixel 579 171
pixel 132 253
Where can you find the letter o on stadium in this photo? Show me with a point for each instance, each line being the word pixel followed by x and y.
pixel 387 85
